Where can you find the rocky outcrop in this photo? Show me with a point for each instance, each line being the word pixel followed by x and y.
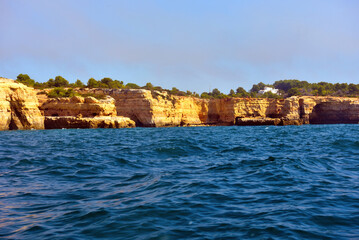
pixel 88 122
pixel 332 110
pixel 267 121
pixel 257 121
pixel 75 106
pixel 80 112
pixel 310 110
pixel 226 111
pixel 157 109
pixel 19 107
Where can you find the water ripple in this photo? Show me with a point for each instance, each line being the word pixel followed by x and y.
pixel 292 182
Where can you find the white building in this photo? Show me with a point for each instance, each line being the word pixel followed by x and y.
pixel 268 89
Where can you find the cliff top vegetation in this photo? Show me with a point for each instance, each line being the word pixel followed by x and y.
pixel 286 88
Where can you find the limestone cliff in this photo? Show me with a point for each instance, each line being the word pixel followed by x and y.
pixel 328 110
pixel 75 106
pixel 158 109
pixel 18 107
pixel 225 111
pixel 305 110
pixel 80 112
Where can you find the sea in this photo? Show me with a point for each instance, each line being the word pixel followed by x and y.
pixel 257 182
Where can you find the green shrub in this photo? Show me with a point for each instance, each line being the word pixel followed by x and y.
pixel 61 92
pixel 25 79
pixel 79 84
pixel 132 86
pixel 92 83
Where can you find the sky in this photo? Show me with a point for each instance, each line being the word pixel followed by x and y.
pixel 192 45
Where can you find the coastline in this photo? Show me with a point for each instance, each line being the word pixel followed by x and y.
pixel 23 107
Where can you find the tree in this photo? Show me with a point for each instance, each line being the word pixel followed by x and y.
pixel 257 87
pixel 25 79
pixel 254 89
pixel 79 84
pixel 158 88
pixel 61 92
pixel 216 92
pixel 106 81
pixel 132 86
pixel 92 83
pixel 148 86
pixel 341 87
pixel 38 85
pixel 294 92
pixel 253 94
pixel 60 82
pixel 180 93
pixel 205 95
pixel 353 89
pixel 302 86
pixel 240 92
pixel 270 95
pixel 321 91
pixel 174 91
pixel 117 84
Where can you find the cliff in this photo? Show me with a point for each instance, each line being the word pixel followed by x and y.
pixel 226 110
pixel 306 110
pixel 80 112
pixel 330 110
pixel 19 107
pixel 75 106
pixel 158 109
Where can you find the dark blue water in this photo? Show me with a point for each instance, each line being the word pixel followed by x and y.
pixel 293 182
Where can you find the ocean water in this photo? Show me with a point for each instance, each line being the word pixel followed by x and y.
pixel 264 182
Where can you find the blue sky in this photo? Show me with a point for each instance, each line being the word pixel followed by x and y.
pixel 191 45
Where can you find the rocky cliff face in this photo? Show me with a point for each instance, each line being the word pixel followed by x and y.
pixel 331 110
pixel 18 107
pixel 305 110
pixel 79 106
pixel 226 111
pixel 80 112
pixel 158 109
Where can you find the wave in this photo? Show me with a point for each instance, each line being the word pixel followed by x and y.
pixel 297 182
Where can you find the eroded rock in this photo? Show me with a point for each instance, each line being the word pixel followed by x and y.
pixel 87 107
pixel 88 122
pixel 18 107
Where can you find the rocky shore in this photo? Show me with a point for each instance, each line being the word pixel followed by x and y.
pixel 22 107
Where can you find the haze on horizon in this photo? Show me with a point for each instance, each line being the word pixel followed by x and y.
pixel 191 45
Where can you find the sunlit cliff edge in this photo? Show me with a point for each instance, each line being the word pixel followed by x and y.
pixel 22 107
pixel 19 107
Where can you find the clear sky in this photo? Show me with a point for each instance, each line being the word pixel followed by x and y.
pixel 192 45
